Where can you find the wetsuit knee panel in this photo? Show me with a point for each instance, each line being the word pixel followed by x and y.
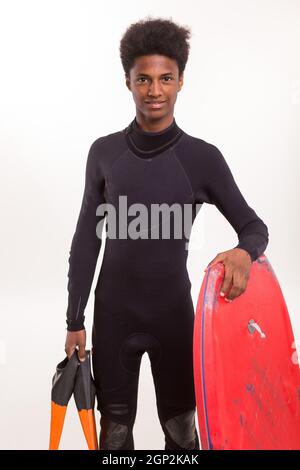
pixel 182 429
pixel 113 435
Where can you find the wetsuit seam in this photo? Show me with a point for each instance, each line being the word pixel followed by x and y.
pixel 109 171
pixel 153 155
pixel 155 151
pixel 114 163
pixel 185 174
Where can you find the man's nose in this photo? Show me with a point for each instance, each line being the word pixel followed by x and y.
pixel 155 88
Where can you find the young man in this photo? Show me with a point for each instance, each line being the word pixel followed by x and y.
pixel 142 298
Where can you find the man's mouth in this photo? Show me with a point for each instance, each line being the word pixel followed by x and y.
pixel 155 104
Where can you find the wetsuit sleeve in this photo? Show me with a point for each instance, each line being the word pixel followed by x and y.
pixel 222 191
pixel 85 244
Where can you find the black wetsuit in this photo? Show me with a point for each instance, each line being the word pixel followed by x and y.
pixel 142 297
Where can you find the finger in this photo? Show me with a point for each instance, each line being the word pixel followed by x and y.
pixel 81 353
pixel 69 351
pixel 226 284
pixel 234 292
pixel 237 288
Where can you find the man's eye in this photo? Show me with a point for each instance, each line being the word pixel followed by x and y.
pixel 144 78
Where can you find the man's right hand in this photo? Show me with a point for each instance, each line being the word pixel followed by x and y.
pixel 76 338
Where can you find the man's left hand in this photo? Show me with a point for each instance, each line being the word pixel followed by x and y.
pixel 237 264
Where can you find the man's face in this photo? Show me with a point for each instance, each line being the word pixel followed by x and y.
pixel 154 79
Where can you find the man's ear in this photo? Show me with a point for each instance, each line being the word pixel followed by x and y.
pixel 127 81
pixel 180 82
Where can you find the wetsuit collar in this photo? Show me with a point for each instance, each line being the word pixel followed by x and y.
pixel 148 143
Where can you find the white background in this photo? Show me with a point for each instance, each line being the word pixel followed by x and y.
pixel 62 86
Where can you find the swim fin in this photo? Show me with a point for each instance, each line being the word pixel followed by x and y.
pixel 73 376
pixel 63 383
pixel 84 395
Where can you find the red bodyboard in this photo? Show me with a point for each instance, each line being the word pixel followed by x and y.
pixel 246 371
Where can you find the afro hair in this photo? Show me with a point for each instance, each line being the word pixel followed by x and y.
pixel 155 36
